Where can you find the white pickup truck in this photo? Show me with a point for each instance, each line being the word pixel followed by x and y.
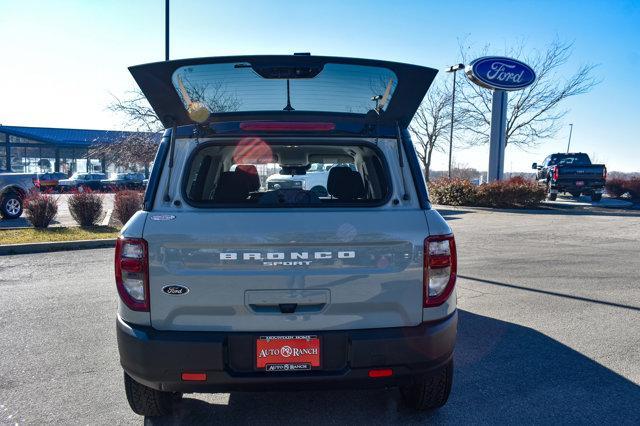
pixel 314 180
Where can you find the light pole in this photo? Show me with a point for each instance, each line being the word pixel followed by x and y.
pixel 453 69
pixel 570 132
pixel 166 30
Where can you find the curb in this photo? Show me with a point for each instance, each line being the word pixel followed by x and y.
pixel 56 246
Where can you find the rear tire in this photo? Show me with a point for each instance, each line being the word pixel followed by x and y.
pixel 431 391
pixel 552 197
pixel 146 401
pixel 596 197
pixel 11 205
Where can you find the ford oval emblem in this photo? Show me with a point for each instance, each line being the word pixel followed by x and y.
pixel 175 290
pixel 497 72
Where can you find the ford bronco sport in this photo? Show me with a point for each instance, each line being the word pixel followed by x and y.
pixel 226 284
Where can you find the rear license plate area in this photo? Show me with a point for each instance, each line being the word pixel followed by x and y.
pixel 287 353
pixel 579 183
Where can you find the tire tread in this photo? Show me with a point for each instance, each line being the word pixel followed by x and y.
pixel 146 401
pixel 431 391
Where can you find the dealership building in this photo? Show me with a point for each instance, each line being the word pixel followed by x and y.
pixel 43 149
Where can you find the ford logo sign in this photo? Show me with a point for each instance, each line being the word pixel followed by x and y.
pixel 496 72
pixel 175 290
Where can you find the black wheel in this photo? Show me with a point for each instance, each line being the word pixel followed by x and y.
pixel 11 207
pixel 431 391
pixel 596 197
pixel 146 401
pixel 550 196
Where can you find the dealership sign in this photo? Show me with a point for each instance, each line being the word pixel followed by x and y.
pixel 496 72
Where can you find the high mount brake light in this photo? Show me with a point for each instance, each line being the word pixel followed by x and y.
pixel 556 173
pixel 132 273
pixel 440 268
pixel 290 126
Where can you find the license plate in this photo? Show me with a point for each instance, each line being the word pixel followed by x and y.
pixel 579 183
pixel 287 353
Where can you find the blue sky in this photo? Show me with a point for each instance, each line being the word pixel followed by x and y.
pixel 62 60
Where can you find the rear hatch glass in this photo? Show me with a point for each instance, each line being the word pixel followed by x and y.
pixel 232 87
pixel 256 173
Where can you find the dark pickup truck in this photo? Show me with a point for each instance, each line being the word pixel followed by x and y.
pixel 572 173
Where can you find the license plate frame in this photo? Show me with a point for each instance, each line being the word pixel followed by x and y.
pixel 290 353
pixel 579 183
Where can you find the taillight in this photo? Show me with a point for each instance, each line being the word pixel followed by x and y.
pixel 440 268
pixel 290 126
pixel 556 173
pixel 132 272
pixel 604 173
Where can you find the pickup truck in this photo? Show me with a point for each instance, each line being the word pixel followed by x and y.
pixel 314 180
pixel 13 188
pixel 572 173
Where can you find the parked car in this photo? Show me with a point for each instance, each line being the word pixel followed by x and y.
pixel 572 173
pixel 123 181
pixel 227 285
pixel 82 181
pixel 49 181
pixel 13 188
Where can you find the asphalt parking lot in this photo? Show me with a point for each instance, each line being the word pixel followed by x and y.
pixel 549 332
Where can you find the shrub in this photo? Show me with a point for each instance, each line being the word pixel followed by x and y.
pixel 515 192
pixel 633 187
pixel 452 192
pixel 126 204
pixel 615 187
pixel 85 207
pixel 40 209
pixel 618 187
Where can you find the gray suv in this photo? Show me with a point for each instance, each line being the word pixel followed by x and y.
pixel 14 187
pixel 226 284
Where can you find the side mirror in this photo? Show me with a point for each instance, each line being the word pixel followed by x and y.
pixel 534 166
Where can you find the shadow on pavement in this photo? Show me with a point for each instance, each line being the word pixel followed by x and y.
pixel 553 293
pixel 505 373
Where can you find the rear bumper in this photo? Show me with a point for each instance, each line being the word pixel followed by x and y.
pixel 570 186
pixel 157 358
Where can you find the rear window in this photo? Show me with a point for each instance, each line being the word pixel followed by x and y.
pixel 570 159
pixel 342 88
pixel 254 173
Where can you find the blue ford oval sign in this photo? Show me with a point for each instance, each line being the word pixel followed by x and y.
pixel 496 72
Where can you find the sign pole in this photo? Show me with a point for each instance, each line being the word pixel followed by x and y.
pixel 498 135
pixel 166 30
pixel 501 75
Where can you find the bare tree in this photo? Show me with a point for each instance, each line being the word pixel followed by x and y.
pixel 137 112
pixel 430 125
pixel 132 152
pixel 213 95
pixel 535 113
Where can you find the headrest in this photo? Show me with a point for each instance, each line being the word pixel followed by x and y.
pixel 250 174
pixel 345 184
pixel 232 188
